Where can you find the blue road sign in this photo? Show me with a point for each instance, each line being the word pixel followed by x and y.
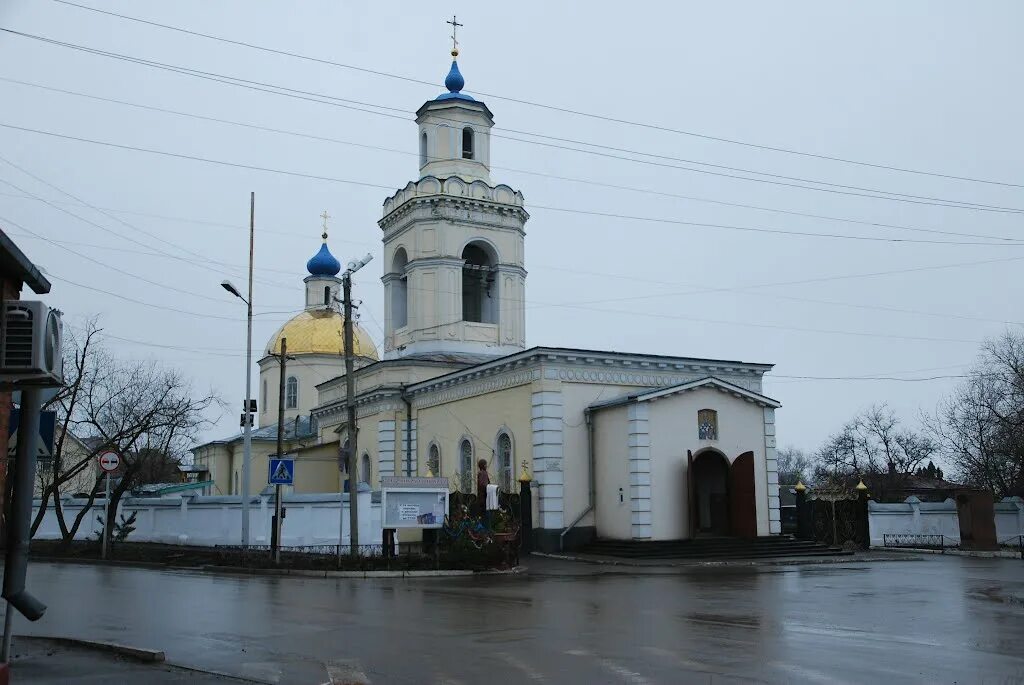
pixel 281 472
pixel 47 429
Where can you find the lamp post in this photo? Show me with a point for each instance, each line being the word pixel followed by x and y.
pixel 247 409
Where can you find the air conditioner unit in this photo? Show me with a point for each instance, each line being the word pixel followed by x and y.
pixel 31 335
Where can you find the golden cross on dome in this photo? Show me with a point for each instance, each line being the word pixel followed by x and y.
pixel 455 27
pixel 325 216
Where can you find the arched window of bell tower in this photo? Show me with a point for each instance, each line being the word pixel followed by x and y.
pixel 467 143
pixel 479 284
pixel 399 290
pixel 423 149
pixel 327 295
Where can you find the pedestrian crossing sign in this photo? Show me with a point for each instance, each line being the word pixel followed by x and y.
pixel 281 472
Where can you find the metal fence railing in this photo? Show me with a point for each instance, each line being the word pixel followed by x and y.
pixel 915 541
pixel 1014 542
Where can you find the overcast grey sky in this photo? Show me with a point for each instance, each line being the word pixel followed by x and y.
pixel 925 85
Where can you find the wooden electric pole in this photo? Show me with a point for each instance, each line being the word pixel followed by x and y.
pixel 283 361
pixel 350 395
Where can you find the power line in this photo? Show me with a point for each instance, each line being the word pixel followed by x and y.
pixel 252 167
pixel 551 107
pixel 105 228
pixel 794 182
pixel 571 179
pixel 805 281
pixel 729 227
pixel 602 274
pixel 109 267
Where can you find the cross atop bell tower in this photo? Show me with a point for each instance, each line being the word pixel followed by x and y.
pixel 455 43
pixel 455 129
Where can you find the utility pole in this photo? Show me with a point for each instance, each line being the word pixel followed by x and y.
pixel 280 450
pixel 350 395
pixel 247 414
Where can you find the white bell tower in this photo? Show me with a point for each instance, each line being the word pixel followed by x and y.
pixel 453 243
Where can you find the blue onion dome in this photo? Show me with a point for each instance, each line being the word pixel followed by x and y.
pixel 454 83
pixel 323 263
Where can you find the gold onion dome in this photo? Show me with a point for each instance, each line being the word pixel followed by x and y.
pixel 321 331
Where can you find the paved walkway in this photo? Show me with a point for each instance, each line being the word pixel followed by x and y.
pixel 935 619
pixel 44 662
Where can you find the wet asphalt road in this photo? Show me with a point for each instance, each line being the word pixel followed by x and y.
pixel 935 620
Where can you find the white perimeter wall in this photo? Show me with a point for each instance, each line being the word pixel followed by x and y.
pixel 209 521
pixel 914 517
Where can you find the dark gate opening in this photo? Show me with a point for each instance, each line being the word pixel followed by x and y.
pixel 709 508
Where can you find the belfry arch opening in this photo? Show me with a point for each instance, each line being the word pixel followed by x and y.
pixel 467 143
pixel 399 290
pixel 423 149
pixel 479 284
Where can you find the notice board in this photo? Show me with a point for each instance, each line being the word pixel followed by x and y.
pixel 413 502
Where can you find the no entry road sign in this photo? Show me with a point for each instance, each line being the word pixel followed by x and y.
pixel 109 461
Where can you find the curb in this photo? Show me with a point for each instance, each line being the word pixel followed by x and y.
pixel 151 656
pixel 306 573
pixel 242 570
pixel 713 563
pixel 978 554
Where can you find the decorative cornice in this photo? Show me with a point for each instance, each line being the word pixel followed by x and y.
pixel 498 381
pixel 445 204
pixel 584 366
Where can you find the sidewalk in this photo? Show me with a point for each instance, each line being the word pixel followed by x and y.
pixel 47 662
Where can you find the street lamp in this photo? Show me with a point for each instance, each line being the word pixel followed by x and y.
pixel 246 415
pixel 247 409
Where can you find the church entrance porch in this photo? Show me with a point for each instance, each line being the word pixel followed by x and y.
pixel 721 495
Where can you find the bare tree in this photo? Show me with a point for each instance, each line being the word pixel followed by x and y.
pixel 874 446
pixel 980 427
pixel 142 411
pixel 794 465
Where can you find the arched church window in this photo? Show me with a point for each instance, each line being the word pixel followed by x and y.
pixel 467 143
pixel 399 290
pixel 264 395
pixel 479 289
pixel 327 295
pixel 434 460
pixel 291 393
pixel 505 462
pixel 364 468
pixel 707 424
pixel 466 465
pixel 423 149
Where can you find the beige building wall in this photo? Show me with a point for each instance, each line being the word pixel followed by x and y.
pixel 479 419
pixel 611 454
pixel 316 469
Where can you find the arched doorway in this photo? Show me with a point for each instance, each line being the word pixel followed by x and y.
pixel 722 499
pixel 709 494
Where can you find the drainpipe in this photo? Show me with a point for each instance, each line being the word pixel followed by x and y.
pixel 408 433
pixel 592 480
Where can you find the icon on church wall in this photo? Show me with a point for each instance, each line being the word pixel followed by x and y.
pixel 707 424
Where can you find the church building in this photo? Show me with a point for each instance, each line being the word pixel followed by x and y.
pixel 620 445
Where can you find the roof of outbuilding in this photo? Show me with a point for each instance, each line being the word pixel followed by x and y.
pixel 708 382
